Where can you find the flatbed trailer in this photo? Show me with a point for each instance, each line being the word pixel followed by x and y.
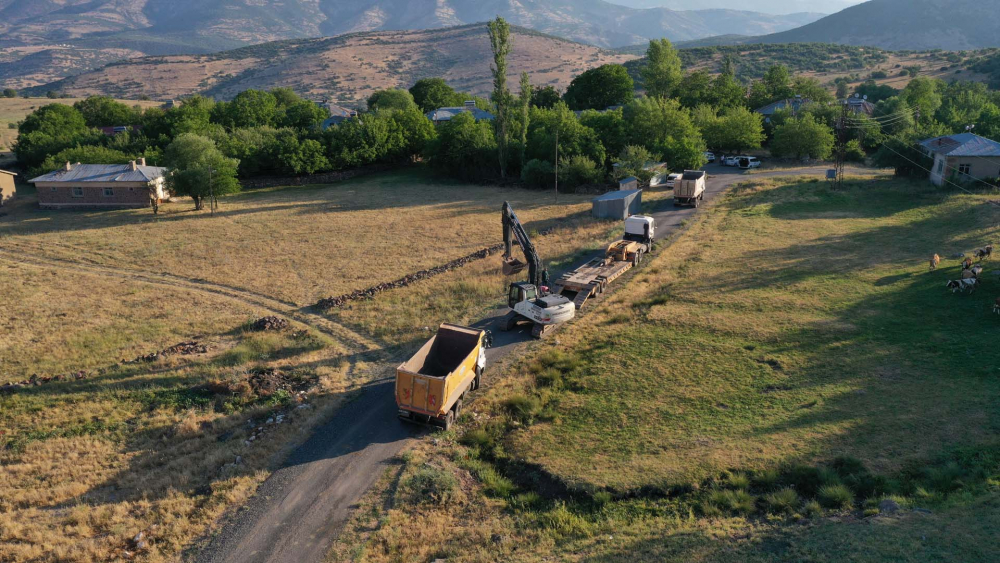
pixel 589 279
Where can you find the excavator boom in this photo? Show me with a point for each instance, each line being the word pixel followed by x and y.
pixel 513 231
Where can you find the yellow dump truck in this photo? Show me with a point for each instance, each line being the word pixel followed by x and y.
pixel 432 385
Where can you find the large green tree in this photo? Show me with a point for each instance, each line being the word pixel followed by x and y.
pixel 465 148
pixel 198 169
pixel 50 129
pixel 250 108
pixel 736 130
pixel 662 72
pixel 665 128
pixel 393 98
pixel 432 93
pixel 575 139
pixel 802 137
pixel 599 88
pixel 104 111
pixel 503 100
pixel 545 97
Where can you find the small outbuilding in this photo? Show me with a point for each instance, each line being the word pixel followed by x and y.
pixel 618 205
pixel 7 189
pixel 630 183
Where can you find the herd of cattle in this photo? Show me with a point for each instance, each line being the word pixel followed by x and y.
pixel 971 273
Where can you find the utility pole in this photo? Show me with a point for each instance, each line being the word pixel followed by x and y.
pixel 557 165
pixel 211 192
pixel 841 145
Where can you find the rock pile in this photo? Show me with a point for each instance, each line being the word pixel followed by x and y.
pixel 340 301
pixel 36 380
pixel 182 349
pixel 269 323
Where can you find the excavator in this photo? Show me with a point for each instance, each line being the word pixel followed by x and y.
pixel 529 301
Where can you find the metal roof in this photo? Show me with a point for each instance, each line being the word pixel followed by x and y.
pixel 616 194
pixel 794 103
pixel 5 172
pixel 445 114
pixel 103 173
pixel 962 144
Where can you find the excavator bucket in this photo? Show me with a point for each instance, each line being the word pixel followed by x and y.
pixel 512 266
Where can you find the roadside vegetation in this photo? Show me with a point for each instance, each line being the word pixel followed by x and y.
pixel 779 384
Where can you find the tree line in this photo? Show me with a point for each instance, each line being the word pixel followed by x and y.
pixel 604 131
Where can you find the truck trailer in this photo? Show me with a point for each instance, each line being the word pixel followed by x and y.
pixel 432 385
pixel 690 189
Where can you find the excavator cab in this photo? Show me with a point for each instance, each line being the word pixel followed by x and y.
pixel 520 292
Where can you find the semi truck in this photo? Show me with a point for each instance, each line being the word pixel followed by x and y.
pixel 690 189
pixel 592 278
pixel 432 385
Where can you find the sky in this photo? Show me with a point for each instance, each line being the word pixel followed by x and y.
pixel 766 6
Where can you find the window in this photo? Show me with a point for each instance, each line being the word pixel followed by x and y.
pixel 109 192
pixel 965 169
pixel 940 166
pixel 77 192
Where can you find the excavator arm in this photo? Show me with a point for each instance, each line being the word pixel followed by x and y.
pixel 513 231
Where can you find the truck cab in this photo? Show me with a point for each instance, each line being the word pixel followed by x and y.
pixel 640 228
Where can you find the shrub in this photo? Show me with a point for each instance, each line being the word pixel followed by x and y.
pixel 804 479
pixel 431 485
pixel 564 522
pixel 523 408
pixel 836 496
pixel 476 439
pixel 785 501
pixel 538 174
pixel 737 480
pixel 734 502
pixel 812 509
pixel 579 171
pixel 767 479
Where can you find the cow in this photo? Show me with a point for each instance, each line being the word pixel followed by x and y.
pixel 968 284
pixel 984 253
pixel 935 260
pixel 967 263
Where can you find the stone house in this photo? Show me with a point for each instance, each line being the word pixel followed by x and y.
pixel 101 186
pixel 444 115
pixel 962 157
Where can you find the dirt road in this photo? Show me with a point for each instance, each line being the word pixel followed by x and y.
pixel 301 508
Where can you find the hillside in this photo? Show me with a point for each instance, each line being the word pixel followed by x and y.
pixel 904 24
pixel 45 41
pixel 346 68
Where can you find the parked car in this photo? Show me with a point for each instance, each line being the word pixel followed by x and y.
pixel 747 162
pixel 731 161
pixel 710 156
pixel 672 180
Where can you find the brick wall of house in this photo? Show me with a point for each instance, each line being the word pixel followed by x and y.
pixel 125 194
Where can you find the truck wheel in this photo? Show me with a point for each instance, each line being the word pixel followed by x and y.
pixel 449 420
pixel 479 378
pixel 696 202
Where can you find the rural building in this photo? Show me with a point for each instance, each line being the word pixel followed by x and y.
pixel 444 115
pixel 963 156
pixel 7 189
pixel 858 105
pixel 618 205
pixel 101 185
pixel 794 104
pixel 630 183
pixel 338 114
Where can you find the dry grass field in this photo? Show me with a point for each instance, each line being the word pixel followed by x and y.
pixel 113 447
pixel 755 393
pixel 13 110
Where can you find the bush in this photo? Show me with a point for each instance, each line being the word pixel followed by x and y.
pixel 733 502
pixel 431 485
pixel 812 509
pixel 538 174
pixel 564 522
pixel 476 439
pixel 737 480
pixel 785 501
pixel 579 171
pixel 523 408
pixel 836 496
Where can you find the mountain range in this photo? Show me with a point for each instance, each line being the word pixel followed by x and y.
pixel 764 6
pixel 952 25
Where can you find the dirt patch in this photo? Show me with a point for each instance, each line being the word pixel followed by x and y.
pixel 261 383
pixel 358 294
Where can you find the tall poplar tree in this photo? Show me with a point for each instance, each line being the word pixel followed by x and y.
pixel 525 99
pixel 502 98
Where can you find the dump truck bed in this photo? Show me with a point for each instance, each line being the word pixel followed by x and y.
pixel 431 382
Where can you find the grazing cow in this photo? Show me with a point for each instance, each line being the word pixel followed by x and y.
pixel 935 260
pixel 967 263
pixel 996 306
pixel 969 285
pixel 984 253
pixel 972 272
